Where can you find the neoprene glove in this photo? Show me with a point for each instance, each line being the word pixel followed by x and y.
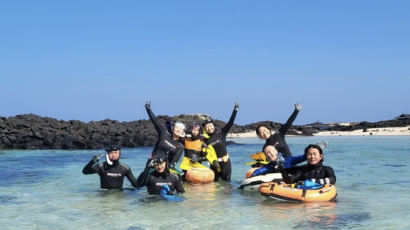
pixel 96 158
pixel 236 105
pixel 151 163
pixel 298 107
pixel 194 158
pixel 148 104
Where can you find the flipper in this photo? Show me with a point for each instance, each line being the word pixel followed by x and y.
pixel 166 196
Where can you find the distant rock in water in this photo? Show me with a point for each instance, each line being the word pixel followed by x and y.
pixel 232 143
pixel 30 131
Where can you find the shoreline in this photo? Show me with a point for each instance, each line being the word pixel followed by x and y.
pixel 386 131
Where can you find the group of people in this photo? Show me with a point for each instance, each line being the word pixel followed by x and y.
pixel 171 143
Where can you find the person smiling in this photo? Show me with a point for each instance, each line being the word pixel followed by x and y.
pixel 112 171
pixel 217 138
pixel 156 180
pixel 167 143
pixel 277 162
pixel 314 171
pixel 278 137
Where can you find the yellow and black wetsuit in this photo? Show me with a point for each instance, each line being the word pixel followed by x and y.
pixel 218 140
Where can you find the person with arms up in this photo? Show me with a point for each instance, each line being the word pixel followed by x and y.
pixel 278 137
pixel 167 143
pixel 217 138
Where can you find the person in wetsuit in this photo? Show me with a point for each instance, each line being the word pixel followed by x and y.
pixel 112 171
pixel 277 162
pixel 314 171
pixel 155 180
pixel 278 138
pixel 218 140
pixel 194 145
pixel 196 151
pixel 167 143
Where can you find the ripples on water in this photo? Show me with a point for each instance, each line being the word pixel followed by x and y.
pixel 45 189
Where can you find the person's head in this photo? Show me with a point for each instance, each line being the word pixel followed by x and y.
pixel 263 132
pixel 178 130
pixel 196 129
pixel 271 153
pixel 113 154
pixel 160 162
pixel 313 154
pixel 209 126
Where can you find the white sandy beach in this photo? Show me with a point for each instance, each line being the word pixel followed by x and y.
pixel 387 131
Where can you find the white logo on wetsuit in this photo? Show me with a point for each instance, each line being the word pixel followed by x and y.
pixel 162 184
pixel 169 144
pixel 114 174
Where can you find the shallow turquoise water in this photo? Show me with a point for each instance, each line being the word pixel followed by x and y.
pixel 45 189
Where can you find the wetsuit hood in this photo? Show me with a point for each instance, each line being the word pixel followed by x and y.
pixel 160 157
pixel 110 149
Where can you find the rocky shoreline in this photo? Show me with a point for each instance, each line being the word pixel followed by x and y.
pixel 31 131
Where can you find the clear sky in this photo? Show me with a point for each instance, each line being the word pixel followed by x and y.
pixel 91 60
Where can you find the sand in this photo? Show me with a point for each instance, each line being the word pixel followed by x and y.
pixel 387 131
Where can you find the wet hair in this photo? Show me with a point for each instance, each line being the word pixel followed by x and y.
pixel 315 147
pixel 257 129
pixel 180 124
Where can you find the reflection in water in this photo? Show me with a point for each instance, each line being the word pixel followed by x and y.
pixel 5 199
pixel 322 213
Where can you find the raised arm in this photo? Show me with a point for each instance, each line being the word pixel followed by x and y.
pixel 92 166
pixel 153 118
pixel 142 178
pixel 176 156
pixel 284 128
pixel 291 161
pixel 228 125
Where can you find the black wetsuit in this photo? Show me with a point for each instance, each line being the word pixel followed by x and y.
pixel 318 173
pixel 279 137
pixel 111 176
pixel 165 143
pixel 155 181
pixel 218 140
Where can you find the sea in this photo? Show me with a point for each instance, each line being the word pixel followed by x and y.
pixel 45 189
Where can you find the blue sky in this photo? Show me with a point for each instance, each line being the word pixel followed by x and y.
pixel 91 60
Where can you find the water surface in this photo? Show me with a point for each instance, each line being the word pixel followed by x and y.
pixel 45 189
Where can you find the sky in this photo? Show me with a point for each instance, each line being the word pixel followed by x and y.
pixel 92 60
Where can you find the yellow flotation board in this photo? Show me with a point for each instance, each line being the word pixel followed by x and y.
pixel 259 158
